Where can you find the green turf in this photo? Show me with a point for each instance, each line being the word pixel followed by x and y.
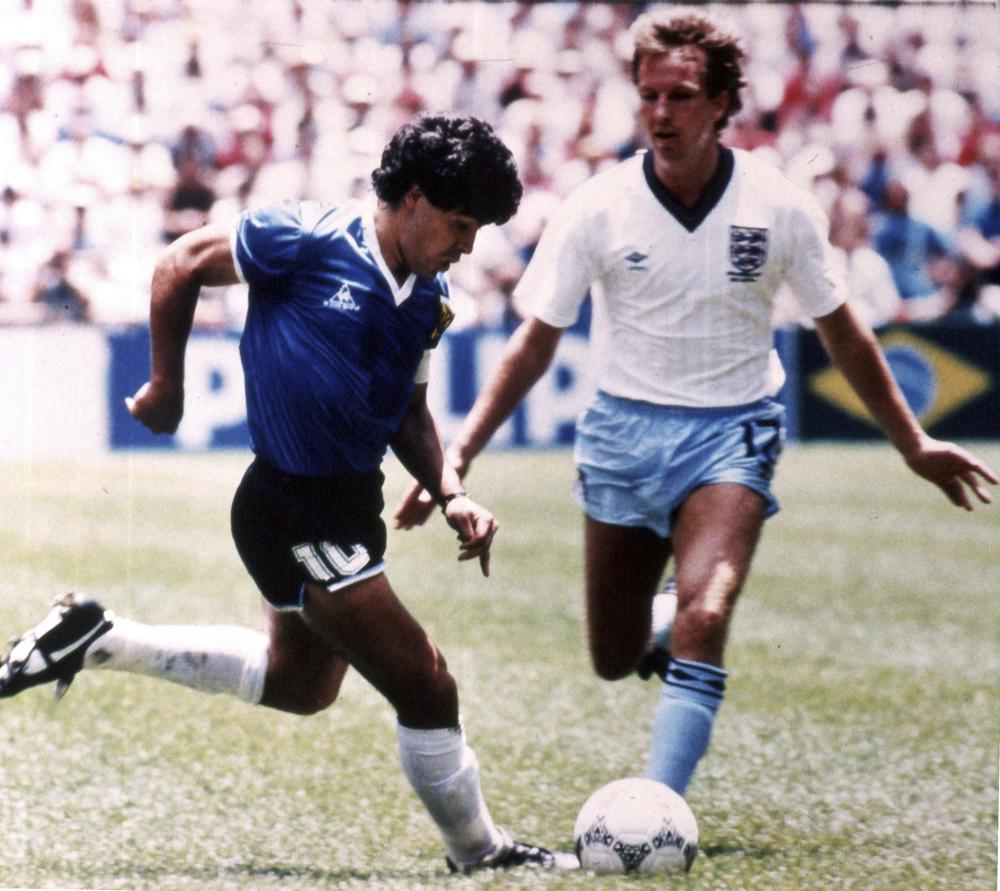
pixel 857 747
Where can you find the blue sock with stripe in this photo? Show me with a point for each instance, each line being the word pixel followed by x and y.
pixel 682 724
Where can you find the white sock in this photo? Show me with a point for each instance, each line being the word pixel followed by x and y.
pixel 211 658
pixel 444 772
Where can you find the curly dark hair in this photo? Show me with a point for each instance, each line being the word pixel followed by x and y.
pixel 658 32
pixel 459 163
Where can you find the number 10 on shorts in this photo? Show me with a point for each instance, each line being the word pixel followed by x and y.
pixel 326 561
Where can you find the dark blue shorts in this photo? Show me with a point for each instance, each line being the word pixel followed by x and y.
pixel 294 530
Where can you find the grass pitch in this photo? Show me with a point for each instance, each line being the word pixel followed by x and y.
pixel 857 748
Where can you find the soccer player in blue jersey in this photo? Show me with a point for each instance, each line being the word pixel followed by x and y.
pixel 344 304
pixel 683 248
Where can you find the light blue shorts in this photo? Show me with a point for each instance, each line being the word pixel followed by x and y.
pixel 637 462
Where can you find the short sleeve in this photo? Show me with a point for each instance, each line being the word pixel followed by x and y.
pixel 423 373
pixel 813 272
pixel 562 268
pixel 267 241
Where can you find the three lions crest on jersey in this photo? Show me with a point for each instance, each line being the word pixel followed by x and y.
pixel 747 253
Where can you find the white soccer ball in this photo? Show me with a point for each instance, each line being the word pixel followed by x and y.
pixel 636 825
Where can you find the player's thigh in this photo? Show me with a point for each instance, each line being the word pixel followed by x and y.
pixel 304 671
pixel 623 566
pixel 714 539
pixel 375 632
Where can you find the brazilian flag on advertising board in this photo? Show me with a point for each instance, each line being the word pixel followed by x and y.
pixel 950 376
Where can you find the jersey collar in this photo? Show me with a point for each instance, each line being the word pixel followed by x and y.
pixel 399 292
pixel 691 217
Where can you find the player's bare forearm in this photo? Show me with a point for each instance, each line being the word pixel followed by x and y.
pixel 854 350
pixel 525 359
pixel 526 356
pixel 418 447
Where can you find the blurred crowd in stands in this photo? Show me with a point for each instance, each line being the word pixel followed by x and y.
pixel 125 123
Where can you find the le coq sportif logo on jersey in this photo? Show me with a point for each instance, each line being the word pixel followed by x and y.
pixel 747 253
pixel 342 300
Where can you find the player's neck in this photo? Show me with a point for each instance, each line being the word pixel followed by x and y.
pixel 686 178
pixel 388 243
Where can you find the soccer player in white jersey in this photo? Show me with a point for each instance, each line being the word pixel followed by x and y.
pixel 344 302
pixel 683 248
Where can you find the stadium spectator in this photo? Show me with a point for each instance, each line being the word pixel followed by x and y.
pixel 331 81
pixel 853 52
pixel 979 242
pixel 685 246
pixel 189 201
pixel 981 131
pixel 875 179
pixel 920 257
pixel 868 277
pixel 808 95
pixel 195 145
pixel 345 302
pixel 61 299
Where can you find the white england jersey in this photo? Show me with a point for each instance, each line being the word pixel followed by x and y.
pixel 683 298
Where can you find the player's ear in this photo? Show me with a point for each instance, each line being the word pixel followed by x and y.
pixel 414 194
pixel 721 105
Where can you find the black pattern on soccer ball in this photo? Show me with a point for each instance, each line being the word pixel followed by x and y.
pixel 598 834
pixel 632 856
pixel 668 837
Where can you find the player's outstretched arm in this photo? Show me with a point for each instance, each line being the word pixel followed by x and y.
pixel 197 259
pixel 855 352
pixel 525 359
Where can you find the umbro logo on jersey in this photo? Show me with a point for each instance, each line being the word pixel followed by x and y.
pixel 635 260
pixel 343 299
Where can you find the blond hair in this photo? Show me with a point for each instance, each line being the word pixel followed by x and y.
pixel 660 31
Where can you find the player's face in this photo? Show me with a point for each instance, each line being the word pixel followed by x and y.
pixel 674 107
pixel 434 239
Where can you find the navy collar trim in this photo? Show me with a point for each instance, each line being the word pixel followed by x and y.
pixel 692 217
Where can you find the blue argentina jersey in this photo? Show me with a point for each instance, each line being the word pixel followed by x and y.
pixel 331 344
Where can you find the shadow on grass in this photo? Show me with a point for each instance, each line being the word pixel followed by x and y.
pixel 298 875
pixel 751 851
pixel 319 877
pixel 739 849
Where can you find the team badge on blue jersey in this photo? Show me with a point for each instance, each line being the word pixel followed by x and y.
pixel 747 253
pixel 445 317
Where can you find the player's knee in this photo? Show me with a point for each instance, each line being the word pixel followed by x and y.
pixel 612 671
pixel 300 692
pixel 616 648
pixel 705 627
pixel 311 699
